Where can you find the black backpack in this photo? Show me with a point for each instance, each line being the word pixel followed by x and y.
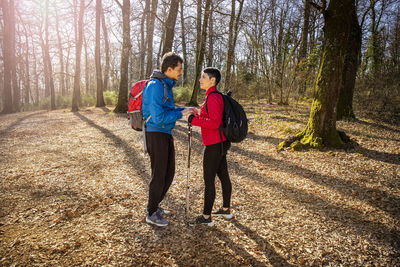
pixel 234 119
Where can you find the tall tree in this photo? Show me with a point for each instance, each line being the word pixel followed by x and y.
pixel 122 105
pixel 107 50
pixel 47 59
pixel 142 47
pixel 321 128
pixel 200 53
pixel 8 55
pixel 233 33
pixel 78 53
pixel 99 78
pixel 170 26
pixel 351 64
pixel 150 32
pixel 185 58
pixel 61 56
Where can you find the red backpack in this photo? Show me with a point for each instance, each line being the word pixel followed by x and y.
pixel 136 119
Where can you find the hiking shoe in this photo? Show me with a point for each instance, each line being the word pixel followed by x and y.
pixel 226 214
pixel 157 219
pixel 201 220
pixel 163 212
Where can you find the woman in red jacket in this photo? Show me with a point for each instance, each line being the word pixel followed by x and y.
pixel 214 159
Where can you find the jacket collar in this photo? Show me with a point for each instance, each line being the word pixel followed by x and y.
pixel 211 89
pixel 159 75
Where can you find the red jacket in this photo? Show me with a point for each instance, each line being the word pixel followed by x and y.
pixel 210 122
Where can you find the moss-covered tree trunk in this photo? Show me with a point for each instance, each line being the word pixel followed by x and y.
pixel 351 64
pixel 321 128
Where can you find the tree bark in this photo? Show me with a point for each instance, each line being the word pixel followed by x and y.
pixel 351 64
pixel 48 61
pixel 142 49
pixel 210 51
pixel 170 26
pixel 321 128
pixel 77 77
pixel 107 50
pixel 8 55
pixel 233 32
pixel 99 78
pixel 150 32
pixel 200 55
pixel 185 67
pixel 60 54
pixel 122 105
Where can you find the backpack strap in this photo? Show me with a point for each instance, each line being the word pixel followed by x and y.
pixel 219 128
pixel 218 92
pixel 165 98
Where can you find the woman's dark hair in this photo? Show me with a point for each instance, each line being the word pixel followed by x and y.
pixel 170 59
pixel 213 73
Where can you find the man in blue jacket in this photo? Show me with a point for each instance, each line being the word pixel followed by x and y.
pixel 161 115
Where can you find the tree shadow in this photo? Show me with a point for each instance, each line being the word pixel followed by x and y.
pixel 288 119
pixel 376 125
pixel 379 155
pixel 349 218
pixel 137 163
pixel 19 121
pixel 372 196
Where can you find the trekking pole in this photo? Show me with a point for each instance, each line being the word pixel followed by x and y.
pixel 188 170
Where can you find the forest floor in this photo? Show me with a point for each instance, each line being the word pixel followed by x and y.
pixel 73 191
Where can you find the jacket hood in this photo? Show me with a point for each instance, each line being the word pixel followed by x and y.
pixel 158 75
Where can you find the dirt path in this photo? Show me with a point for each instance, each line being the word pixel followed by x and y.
pixel 73 190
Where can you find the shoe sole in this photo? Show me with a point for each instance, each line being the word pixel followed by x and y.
pixel 207 224
pixel 225 216
pixel 157 224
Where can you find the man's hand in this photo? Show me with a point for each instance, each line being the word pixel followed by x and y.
pixel 189 110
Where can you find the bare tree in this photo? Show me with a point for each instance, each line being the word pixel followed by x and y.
pixel 122 105
pixel 150 32
pixel 99 80
pixel 78 53
pixel 170 26
pixel 233 33
pixel 200 53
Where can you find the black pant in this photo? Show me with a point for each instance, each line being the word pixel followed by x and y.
pixel 162 156
pixel 214 162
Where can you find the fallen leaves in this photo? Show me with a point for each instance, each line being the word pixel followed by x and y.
pixel 75 194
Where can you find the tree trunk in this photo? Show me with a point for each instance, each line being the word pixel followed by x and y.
pixel 107 50
pixel 233 32
pixel 150 32
pixel 351 64
pixel 170 26
pixel 304 42
pixel 87 74
pixel 99 80
pixel 200 55
pixel 185 68
pixel 142 49
pixel 48 61
pixel 77 77
pixel 122 105
pixel 60 54
pixel 321 128
pixel 8 55
pixel 210 51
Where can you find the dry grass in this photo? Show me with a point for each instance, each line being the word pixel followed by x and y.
pixel 73 190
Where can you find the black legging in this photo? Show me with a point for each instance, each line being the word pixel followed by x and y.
pixel 214 162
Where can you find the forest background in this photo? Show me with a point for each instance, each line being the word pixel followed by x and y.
pixel 58 54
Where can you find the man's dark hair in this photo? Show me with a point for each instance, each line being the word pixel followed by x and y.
pixel 170 59
pixel 213 73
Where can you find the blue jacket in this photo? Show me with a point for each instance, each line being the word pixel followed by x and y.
pixel 163 114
